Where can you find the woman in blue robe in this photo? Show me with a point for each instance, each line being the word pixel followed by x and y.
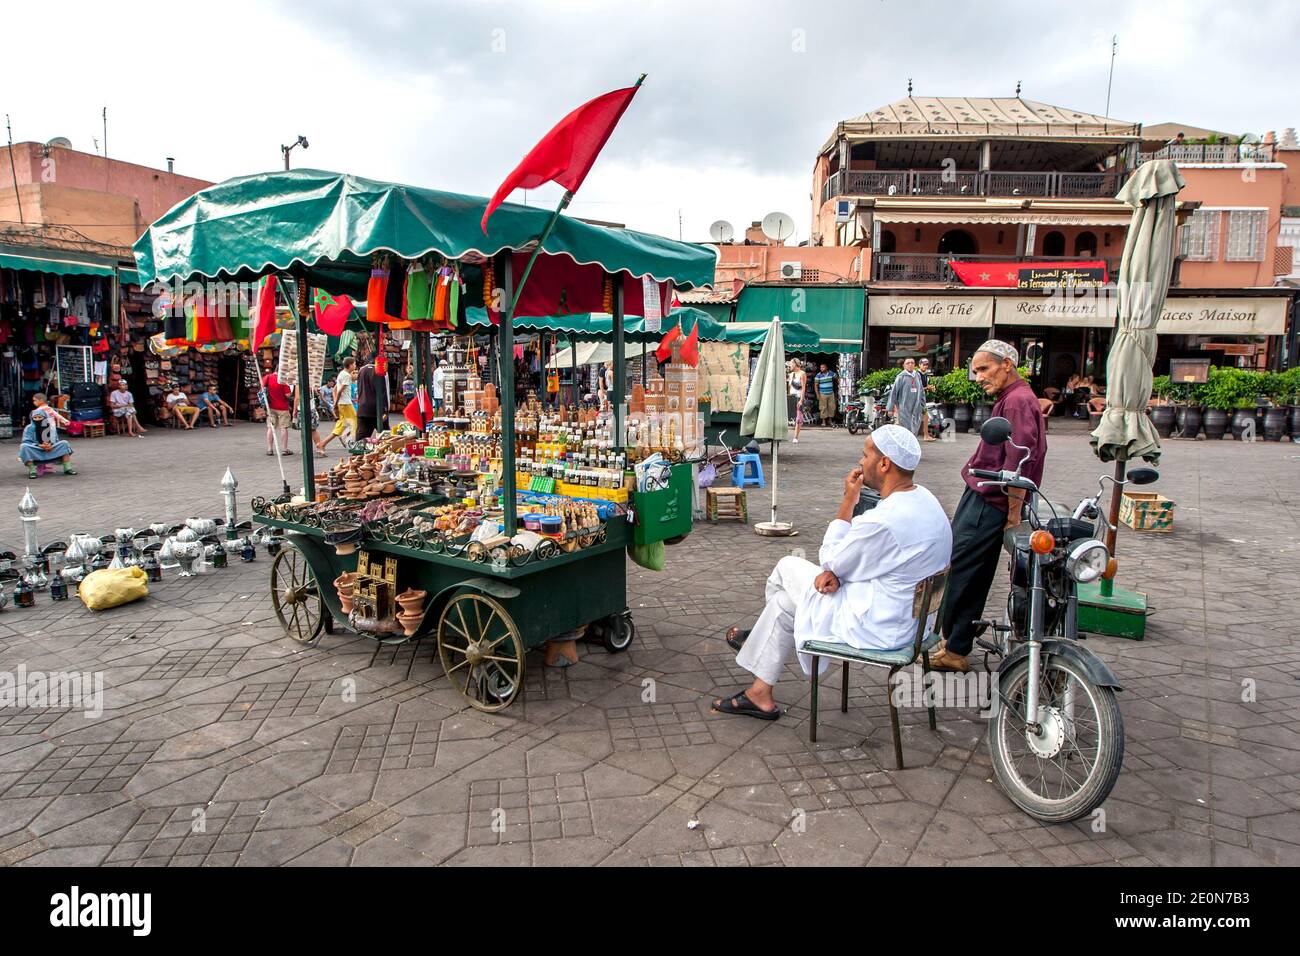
pixel 41 442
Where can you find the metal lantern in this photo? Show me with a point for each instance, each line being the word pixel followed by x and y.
pixel 74 558
pixel 167 554
pixel 24 596
pixel 188 551
pixel 27 513
pixel 249 553
pixel 216 553
pixel 152 569
pixel 58 588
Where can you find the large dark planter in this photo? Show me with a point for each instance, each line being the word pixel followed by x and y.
pixel 961 417
pixel 946 408
pixel 1294 418
pixel 1215 422
pixel 1242 419
pixel 979 415
pixel 1189 421
pixel 1164 417
pixel 1274 424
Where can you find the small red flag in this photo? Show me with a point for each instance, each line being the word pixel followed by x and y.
pixel 565 155
pixel 665 350
pixel 265 311
pixel 332 313
pixel 417 409
pixel 690 350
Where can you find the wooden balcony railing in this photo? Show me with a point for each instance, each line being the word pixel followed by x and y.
pixel 933 266
pixel 956 183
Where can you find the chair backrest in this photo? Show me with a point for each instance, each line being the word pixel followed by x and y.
pixel 926 600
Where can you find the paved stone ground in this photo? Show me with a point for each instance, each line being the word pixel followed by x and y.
pixel 212 715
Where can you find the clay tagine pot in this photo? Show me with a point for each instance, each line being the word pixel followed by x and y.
pixel 412 600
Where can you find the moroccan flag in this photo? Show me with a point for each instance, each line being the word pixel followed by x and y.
pixel 690 350
pixel 565 155
pixel 265 311
pixel 665 350
pixel 331 313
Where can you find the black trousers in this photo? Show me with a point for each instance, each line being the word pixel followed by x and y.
pixel 977 528
pixel 365 427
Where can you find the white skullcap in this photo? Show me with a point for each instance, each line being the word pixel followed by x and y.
pixel 898 445
pixel 1001 349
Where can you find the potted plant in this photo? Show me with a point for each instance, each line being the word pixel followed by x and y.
pixel 1290 396
pixel 1243 418
pixel 1188 415
pixel 1163 415
pixel 1219 396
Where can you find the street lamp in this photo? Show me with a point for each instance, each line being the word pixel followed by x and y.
pixel 302 141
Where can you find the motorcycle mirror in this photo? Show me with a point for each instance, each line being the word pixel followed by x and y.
pixel 995 431
pixel 1143 476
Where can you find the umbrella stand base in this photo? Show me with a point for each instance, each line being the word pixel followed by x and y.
pixel 775 529
pixel 1122 613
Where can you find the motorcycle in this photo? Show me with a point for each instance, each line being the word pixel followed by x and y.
pixel 934 418
pixel 1056 736
pixel 867 409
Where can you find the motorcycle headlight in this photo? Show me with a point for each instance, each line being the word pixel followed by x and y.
pixel 1087 560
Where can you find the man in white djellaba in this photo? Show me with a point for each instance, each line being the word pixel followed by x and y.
pixel 861 590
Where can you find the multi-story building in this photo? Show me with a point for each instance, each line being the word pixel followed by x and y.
pixel 966 211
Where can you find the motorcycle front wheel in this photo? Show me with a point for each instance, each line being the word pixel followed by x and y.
pixel 1067 769
pixel 851 422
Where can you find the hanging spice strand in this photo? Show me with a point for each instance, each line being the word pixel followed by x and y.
pixel 489 283
pixel 607 295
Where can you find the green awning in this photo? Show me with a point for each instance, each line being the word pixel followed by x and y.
pixel 54 263
pixel 600 326
pixel 798 337
pixel 128 277
pixel 834 314
pixel 721 311
pixel 330 224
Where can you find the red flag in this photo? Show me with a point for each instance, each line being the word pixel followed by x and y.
pixel 417 410
pixel 665 350
pixel 265 311
pixel 1007 275
pixel 690 350
pixel 565 155
pixel 331 313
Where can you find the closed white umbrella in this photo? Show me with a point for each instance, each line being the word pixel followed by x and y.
pixel 764 415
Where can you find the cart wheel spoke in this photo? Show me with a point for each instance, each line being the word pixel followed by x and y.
pixel 492 680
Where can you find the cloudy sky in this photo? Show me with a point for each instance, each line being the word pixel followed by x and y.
pixel 739 97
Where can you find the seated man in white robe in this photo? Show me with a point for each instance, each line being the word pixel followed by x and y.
pixel 861 591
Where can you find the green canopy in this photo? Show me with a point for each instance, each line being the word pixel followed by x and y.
pixel 330 224
pixel 835 313
pixel 1126 431
pixel 55 263
pixel 796 335
pixel 594 325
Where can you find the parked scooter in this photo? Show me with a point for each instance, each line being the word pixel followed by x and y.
pixel 868 410
pixel 1056 736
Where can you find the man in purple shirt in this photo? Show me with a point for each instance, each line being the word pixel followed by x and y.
pixel 984 514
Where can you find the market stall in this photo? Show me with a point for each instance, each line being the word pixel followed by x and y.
pixel 420 534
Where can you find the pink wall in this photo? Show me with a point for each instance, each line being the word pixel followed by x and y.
pixel 1227 186
pixel 763 263
pixel 84 189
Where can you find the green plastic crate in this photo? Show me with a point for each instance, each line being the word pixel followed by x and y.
pixel 665 514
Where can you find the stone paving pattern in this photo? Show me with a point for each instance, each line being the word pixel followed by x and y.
pixel 223 743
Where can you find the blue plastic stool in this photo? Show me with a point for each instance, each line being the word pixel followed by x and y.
pixel 742 474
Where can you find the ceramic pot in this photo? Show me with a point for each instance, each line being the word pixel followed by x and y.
pixel 412 600
pixel 1164 418
pixel 1215 422
pixel 410 621
pixel 1274 424
pixel 1243 419
pixel 1189 421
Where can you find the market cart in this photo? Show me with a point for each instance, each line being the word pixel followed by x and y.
pixel 487 601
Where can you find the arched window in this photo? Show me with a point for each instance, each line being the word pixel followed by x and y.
pixel 888 241
pixel 1054 244
pixel 1085 244
pixel 957 242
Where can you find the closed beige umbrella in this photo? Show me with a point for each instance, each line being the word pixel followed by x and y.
pixel 1125 432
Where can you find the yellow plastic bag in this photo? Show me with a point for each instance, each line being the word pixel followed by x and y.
pixel 111 587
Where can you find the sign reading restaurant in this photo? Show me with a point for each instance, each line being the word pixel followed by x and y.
pixel 1089 307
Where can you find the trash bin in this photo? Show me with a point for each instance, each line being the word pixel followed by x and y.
pixel 868 498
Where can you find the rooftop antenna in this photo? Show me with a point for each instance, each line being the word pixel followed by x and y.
pixel 909 86
pixel 13 171
pixel 105 116
pixel 1017 89
pixel 721 231
pixel 1114 45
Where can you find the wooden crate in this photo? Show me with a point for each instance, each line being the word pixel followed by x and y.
pixel 1146 511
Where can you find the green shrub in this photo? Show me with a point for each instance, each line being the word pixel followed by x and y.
pixel 1228 388
pixel 878 381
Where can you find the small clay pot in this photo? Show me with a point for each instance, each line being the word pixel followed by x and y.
pixel 410 621
pixel 345 603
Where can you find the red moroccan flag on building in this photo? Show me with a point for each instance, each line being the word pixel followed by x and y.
pixel 690 350
pixel 565 155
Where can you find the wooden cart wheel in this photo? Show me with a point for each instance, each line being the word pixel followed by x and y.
pixel 296 597
pixel 481 651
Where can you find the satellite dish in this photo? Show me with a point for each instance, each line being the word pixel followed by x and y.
pixel 777 226
pixel 60 141
pixel 721 231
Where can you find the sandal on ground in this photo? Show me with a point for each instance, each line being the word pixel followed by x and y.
pixel 740 704
pixel 69 471
pixel 286 452
pixel 736 637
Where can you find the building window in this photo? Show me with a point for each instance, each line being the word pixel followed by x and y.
pixel 1200 239
pixel 1053 244
pixel 1085 244
pixel 1246 234
pixel 888 242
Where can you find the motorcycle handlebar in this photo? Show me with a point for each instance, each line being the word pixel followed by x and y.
pixel 982 473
